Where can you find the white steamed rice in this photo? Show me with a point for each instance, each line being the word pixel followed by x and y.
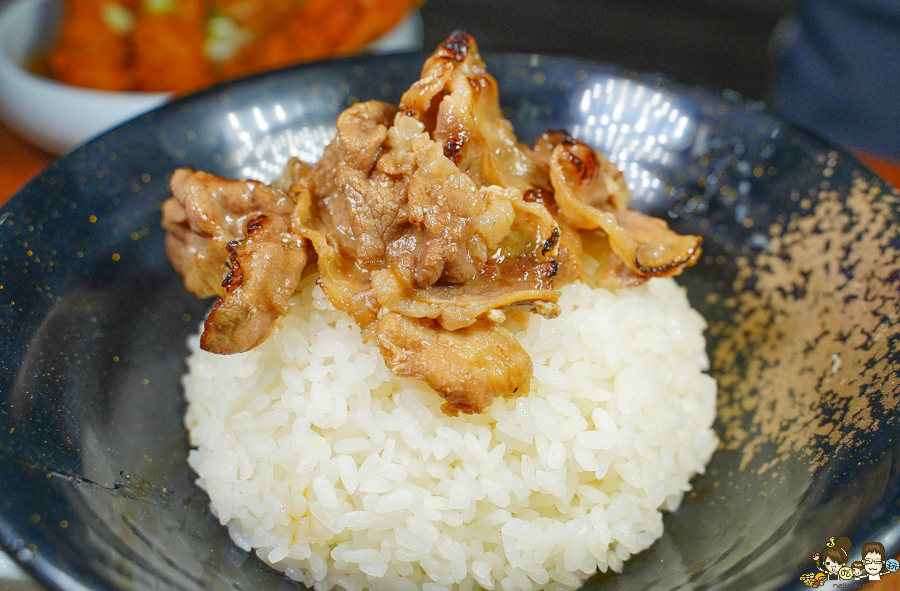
pixel 339 473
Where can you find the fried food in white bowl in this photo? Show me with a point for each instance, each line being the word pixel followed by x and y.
pixel 53 115
pixel 58 116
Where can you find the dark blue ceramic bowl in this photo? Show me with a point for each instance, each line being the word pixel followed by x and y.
pixel 800 281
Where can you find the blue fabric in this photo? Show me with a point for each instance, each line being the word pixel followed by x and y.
pixel 840 72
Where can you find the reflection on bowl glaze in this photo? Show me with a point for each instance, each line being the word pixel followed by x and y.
pixel 799 282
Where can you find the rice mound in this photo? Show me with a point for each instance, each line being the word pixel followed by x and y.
pixel 340 473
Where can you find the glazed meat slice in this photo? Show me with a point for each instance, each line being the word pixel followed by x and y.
pixel 233 239
pixel 458 101
pixel 430 211
pixel 342 278
pixel 520 272
pixel 203 215
pixel 511 283
pixel 265 270
pixel 362 130
pixel 444 205
pixel 467 367
pixel 590 197
pixel 658 251
pixel 341 200
pixel 193 256
pixel 585 184
pixel 377 215
pixel 601 185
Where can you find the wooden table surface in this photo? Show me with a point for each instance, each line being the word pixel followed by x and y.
pixel 19 161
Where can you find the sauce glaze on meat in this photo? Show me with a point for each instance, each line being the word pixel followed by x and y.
pixel 426 222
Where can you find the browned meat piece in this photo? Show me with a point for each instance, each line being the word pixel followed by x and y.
pixel 499 285
pixel 467 367
pixel 238 231
pixel 660 252
pixel 443 203
pixel 591 194
pixel 188 251
pixel 215 205
pixel 265 270
pixel 204 214
pixel 344 281
pixel 584 182
pixel 348 210
pixel 362 129
pixel 377 215
pixel 458 101
pixel 293 178
pixel 613 273
pixel 569 250
pixel 520 271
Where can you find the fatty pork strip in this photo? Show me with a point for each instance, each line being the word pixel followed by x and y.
pixel 588 191
pixel 232 239
pixel 428 223
pixel 458 102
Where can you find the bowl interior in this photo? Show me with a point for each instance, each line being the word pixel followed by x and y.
pixel 799 282
pixel 29 28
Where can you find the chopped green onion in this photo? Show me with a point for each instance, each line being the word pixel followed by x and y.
pixel 160 7
pixel 224 38
pixel 117 18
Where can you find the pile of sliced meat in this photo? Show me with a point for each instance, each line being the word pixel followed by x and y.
pixel 427 222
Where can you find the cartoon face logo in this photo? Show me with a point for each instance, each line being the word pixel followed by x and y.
pixel 873 561
pixel 833 563
pixel 873 558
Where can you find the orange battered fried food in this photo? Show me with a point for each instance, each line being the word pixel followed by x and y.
pixel 90 53
pixel 324 28
pixel 168 48
pixel 259 16
pixel 185 45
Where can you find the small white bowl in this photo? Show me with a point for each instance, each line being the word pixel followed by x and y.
pixel 59 117
pixel 55 116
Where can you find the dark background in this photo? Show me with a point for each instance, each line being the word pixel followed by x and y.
pixel 720 44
